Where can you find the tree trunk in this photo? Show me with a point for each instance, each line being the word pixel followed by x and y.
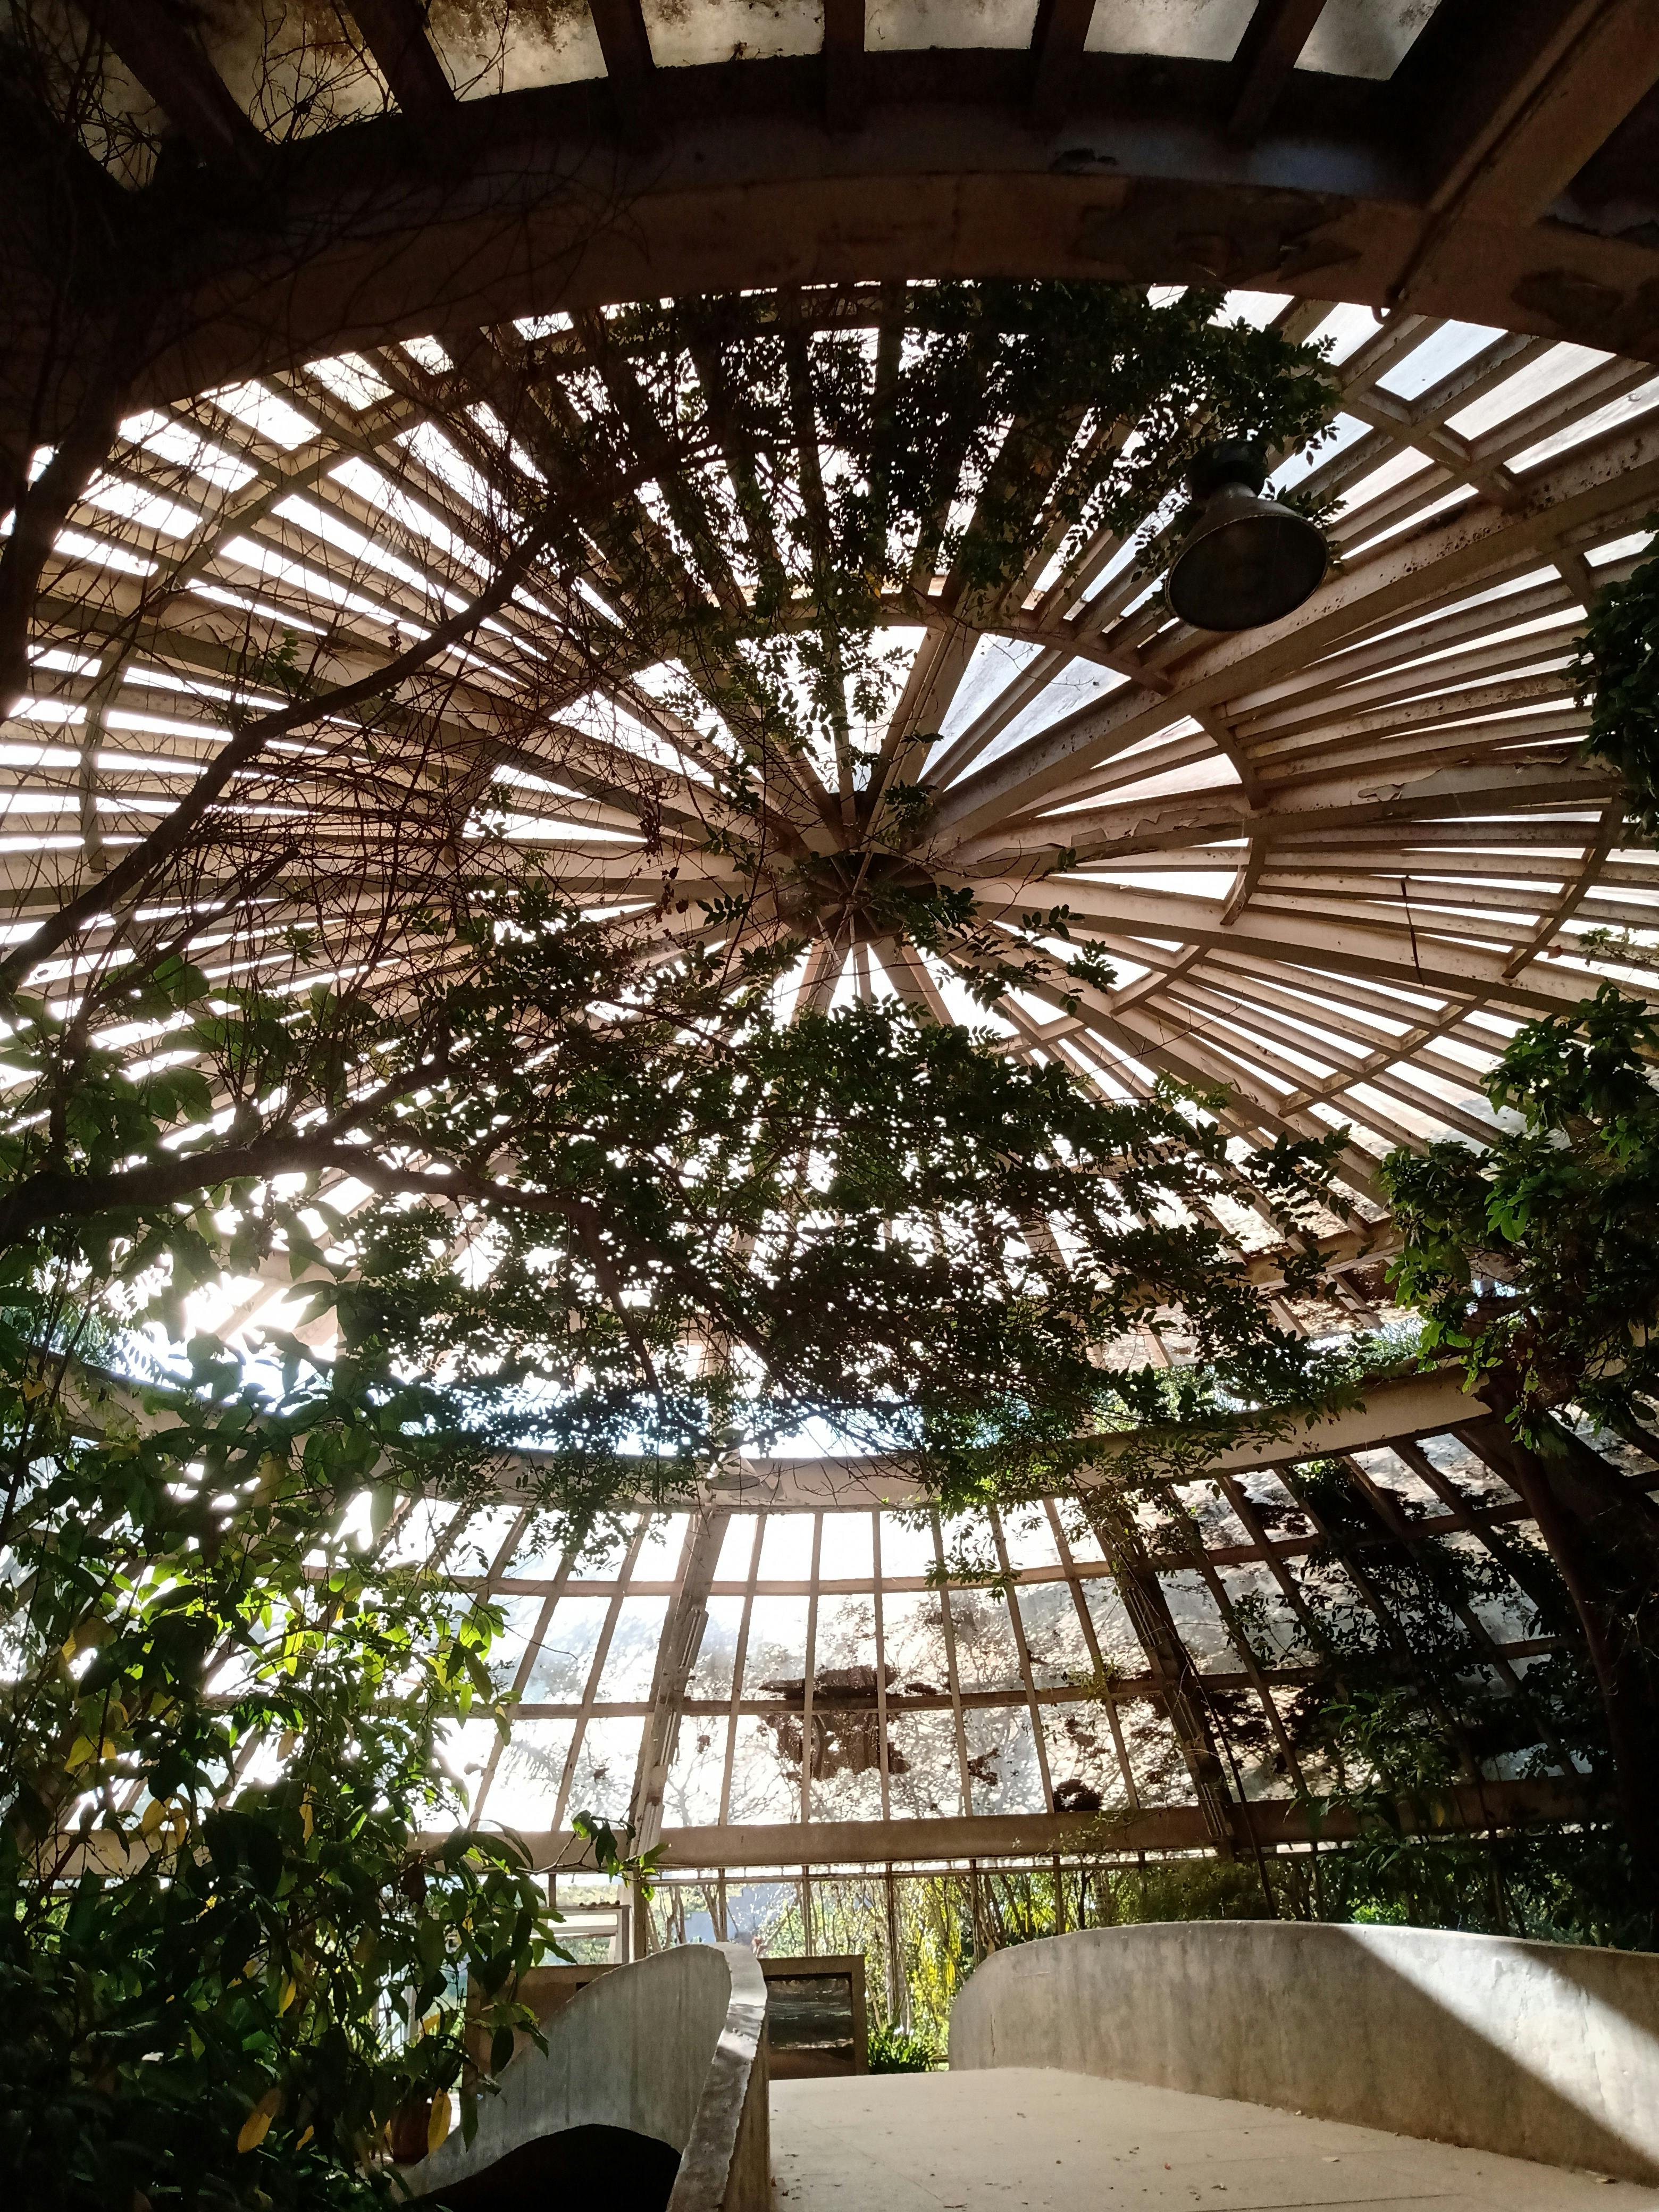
pixel 1587 1520
pixel 1167 1657
pixel 43 506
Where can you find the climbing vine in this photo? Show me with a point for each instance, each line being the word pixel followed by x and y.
pixel 1616 673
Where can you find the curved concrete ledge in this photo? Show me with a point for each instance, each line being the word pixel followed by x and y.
pixel 1541 2051
pixel 671 2048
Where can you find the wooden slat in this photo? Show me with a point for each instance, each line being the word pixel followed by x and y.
pixel 1572 74
pixel 396 32
pixel 1057 43
pixel 845 75
pixel 1267 54
pixel 629 63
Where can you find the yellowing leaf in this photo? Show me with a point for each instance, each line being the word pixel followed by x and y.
pixel 437 2126
pixel 304 2138
pixel 306 1820
pixel 155 1814
pixel 289 1992
pixel 257 2126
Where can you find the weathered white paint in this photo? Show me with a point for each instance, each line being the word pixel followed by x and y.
pixel 1540 2050
pixel 670 2047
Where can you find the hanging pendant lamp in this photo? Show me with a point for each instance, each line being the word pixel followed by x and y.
pixel 1247 560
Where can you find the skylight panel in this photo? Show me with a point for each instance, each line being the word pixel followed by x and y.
pixel 197 687
pixel 902 25
pixel 992 667
pixel 1399 469
pixel 38 802
pixel 281 569
pixel 1547 374
pixel 162 726
pixel 598 716
pixel 532 327
pixel 428 354
pixel 351 381
pixel 1256 308
pixel 433 452
pixel 1621 549
pixel 1194 30
pixel 1613 417
pixel 55 662
pixel 306 515
pixel 175 441
pixel 274 418
pixel 1081 684
pixel 717 30
pixel 222 595
pixel 40 756
pixel 150 763
pixel 166 518
pixel 602 606
pixel 1347 328
pixel 1437 358
pixel 491 423
pixel 102 554
pixel 1364 38
pixel 412 515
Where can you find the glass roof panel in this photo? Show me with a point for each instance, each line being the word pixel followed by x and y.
pixel 1199 30
pixel 893 25
pixel 481 55
pixel 1364 38
pixel 682 36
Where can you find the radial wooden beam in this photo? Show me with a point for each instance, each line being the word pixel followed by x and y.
pixel 178 76
pixel 1057 37
pixel 1554 83
pixel 629 64
pixel 396 32
pixel 1265 57
pixel 844 72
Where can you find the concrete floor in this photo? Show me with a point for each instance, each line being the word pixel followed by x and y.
pixel 1009 2138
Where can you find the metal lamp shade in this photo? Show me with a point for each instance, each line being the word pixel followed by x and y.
pixel 1247 561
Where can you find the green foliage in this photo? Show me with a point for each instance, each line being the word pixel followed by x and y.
pixel 1055 412
pixel 1539 1257
pixel 1616 672
pixel 222 1741
pixel 605 1209
pixel 896 2051
pixel 619 1860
